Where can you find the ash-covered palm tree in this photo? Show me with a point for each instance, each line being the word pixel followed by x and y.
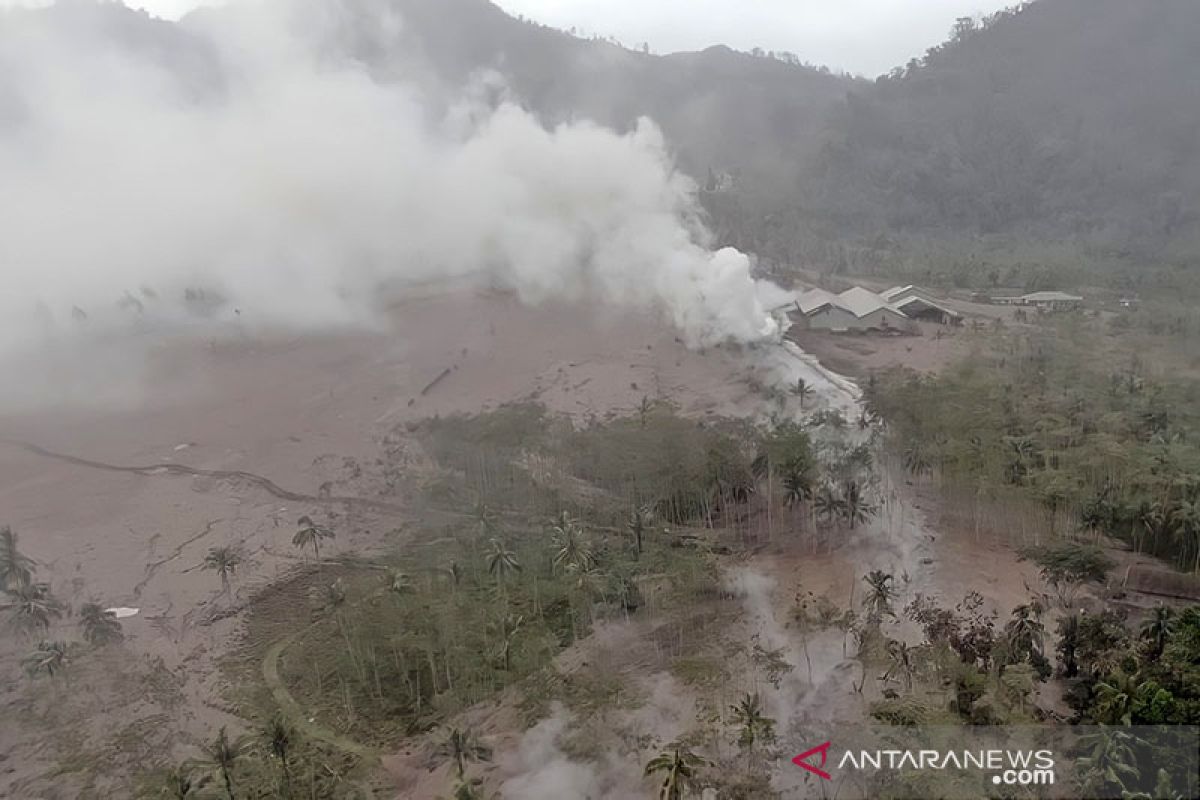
pixel 462 747
pixel 16 569
pixel 678 767
pixel 221 756
pixel 100 626
pixel 917 460
pixel 1025 631
pixel 49 658
pixel 32 607
pixel 224 561
pixel 802 391
pixel 310 534
pixel 827 503
pixel 797 488
pixel 176 784
pixel 754 725
pixel 501 561
pixel 1158 628
pixel 280 738
pixel 902 663
pixel 573 551
pixel 878 602
pixel 855 506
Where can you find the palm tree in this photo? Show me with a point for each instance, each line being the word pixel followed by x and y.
pixel 878 602
pixel 678 766
pixel 502 561
pixel 32 607
pixel 755 725
pixel 281 738
pixel 902 663
pixel 854 504
pixel 573 551
pixel 461 746
pixel 224 561
pixel 506 629
pixel 310 534
pixel 221 757
pixel 797 488
pixel 177 784
pixel 16 570
pixel 802 390
pixel 827 503
pixel 48 657
pixel 639 521
pixel 100 626
pixel 917 460
pixel 1158 628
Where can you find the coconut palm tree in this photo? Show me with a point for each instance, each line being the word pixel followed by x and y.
pixel 501 561
pixel 100 626
pixel 32 607
pixel 48 657
pixel 917 460
pixel 1158 628
pixel 224 561
pixel 902 663
pixel 506 629
pixel 827 503
pixel 573 551
pixel 855 507
pixel 310 534
pixel 221 757
pixel 281 738
pixel 802 391
pixel 797 488
pixel 878 602
pixel 755 726
pixel 16 569
pixel 678 767
pixel 460 747
pixel 177 784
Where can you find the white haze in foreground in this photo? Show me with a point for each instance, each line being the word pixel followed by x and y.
pixel 301 187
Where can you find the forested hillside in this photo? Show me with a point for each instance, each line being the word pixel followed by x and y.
pixel 1059 138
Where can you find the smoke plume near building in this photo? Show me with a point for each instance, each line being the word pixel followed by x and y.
pixel 250 157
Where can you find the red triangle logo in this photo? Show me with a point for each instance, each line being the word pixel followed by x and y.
pixel 802 760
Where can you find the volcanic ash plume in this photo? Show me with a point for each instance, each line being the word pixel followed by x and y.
pixel 249 156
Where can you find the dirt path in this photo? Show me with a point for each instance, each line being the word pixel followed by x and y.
pixel 295 713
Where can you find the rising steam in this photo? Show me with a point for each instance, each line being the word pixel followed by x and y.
pixel 249 155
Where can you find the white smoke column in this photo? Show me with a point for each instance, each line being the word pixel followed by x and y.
pixel 295 183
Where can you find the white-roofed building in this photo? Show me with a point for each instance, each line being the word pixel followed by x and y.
pixel 854 309
pixel 916 303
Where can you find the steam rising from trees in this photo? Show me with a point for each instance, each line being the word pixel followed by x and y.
pixel 248 153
